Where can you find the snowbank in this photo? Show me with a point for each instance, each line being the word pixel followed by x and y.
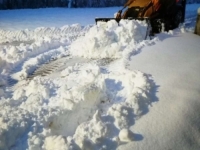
pixel 110 40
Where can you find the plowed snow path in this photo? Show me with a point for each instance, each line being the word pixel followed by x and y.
pixel 176 118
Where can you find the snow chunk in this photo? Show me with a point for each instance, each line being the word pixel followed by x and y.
pixel 95 130
pixel 56 142
pixel 35 88
pixel 14 123
pixel 125 135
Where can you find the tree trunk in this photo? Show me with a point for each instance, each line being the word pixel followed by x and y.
pixel 197 28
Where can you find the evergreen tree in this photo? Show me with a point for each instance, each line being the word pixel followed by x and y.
pixel 16 4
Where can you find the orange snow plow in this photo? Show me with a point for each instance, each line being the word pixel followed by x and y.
pixel 161 15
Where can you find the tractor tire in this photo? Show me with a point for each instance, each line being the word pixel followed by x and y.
pixel 157 26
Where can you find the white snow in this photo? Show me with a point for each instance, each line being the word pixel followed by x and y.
pixel 96 86
pixel 110 40
pixel 51 17
pixel 173 123
pixel 126 135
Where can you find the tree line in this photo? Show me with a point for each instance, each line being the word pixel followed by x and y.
pixel 18 4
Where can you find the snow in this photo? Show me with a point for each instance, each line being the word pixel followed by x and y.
pixel 67 86
pixel 51 17
pixel 110 40
pixel 175 117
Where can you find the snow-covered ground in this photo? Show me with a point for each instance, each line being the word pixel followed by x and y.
pixel 67 83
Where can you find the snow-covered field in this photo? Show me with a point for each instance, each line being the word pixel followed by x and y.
pixel 67 83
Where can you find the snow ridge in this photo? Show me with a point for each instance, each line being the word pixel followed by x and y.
pixel 67 32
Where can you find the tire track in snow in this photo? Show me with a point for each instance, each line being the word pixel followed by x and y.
pixel 52 66
pixel 47 50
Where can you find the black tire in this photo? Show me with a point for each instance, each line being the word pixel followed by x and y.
pixel 156 25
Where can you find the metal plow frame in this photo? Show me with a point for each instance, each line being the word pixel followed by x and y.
pixel 118 19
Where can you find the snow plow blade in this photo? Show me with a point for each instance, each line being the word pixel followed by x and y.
pixel 118 19
pixel 106 19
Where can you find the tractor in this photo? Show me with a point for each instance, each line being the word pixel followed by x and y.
pixel 161 15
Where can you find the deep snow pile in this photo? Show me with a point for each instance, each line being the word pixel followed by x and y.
pixel 110 40
pixel 88 105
